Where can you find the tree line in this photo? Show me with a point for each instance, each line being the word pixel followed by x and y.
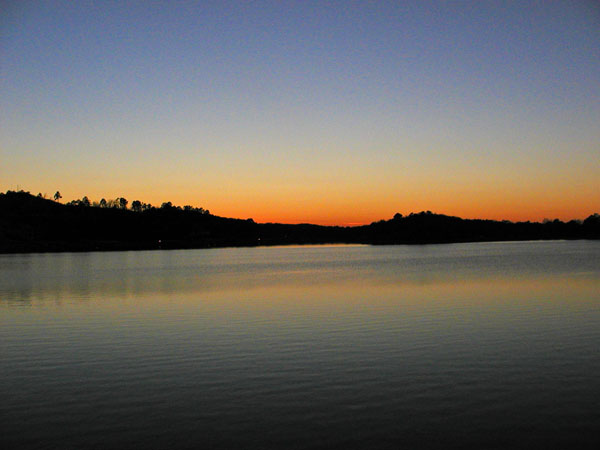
pixel 31 224
pixel 122 203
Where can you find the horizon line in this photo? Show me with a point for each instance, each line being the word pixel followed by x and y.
pixel 96 204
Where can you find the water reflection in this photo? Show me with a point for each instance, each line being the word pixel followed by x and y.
pixel 85 276
pixel 481 345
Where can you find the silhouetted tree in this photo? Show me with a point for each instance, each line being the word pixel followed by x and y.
pixel 103 203
pixel 57 196
pixel 28 224
pixel 593 219
pixel 136 206
pixel 166 205
pixel 85 201
pixel 123 203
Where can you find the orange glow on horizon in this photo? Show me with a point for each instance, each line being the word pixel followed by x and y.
pixel 365 214
pixel 353 203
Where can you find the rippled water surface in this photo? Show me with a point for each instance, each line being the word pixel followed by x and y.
pixel 492 345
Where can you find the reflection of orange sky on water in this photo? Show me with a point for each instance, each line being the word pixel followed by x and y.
pixel 294 292
pixel 298 294
pixel 295 305
pixel 411 291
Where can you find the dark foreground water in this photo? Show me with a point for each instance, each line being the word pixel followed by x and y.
pixel 493 345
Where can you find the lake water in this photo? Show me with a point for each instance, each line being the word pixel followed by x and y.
pixel 487 345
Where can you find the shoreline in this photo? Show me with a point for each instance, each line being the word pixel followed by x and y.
pixel 168 246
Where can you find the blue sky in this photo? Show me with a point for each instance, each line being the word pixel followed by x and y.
pixel 303 111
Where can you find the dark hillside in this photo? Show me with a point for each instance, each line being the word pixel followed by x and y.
pixel 34 224
pixel 426 227
pixel 29 223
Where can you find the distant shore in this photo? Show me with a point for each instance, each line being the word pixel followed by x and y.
pixel 30 224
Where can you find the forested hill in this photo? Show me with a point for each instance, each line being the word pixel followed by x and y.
pixel 35 224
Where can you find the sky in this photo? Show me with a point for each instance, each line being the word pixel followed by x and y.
pixel 328 112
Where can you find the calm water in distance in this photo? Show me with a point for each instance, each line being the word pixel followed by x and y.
pixel 492 345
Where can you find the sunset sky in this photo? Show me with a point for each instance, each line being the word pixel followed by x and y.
pixel 338 112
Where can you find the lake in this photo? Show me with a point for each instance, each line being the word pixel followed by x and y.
pixel 484 345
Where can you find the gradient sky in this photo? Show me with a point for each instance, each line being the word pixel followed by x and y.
pixel 340 112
